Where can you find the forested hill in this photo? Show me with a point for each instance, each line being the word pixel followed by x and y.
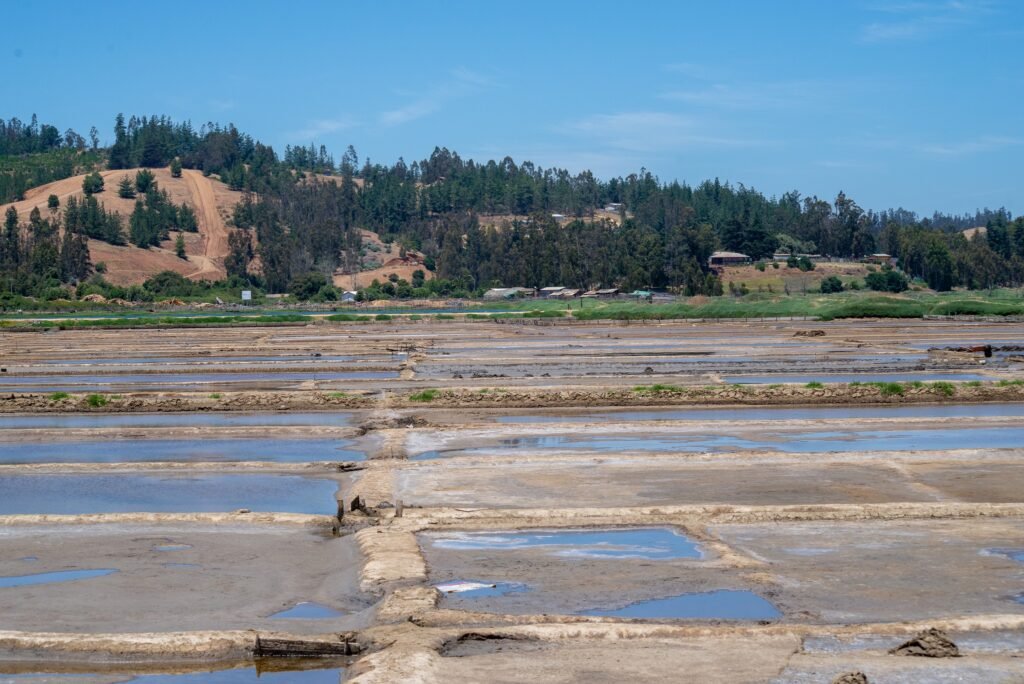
pixel 477 224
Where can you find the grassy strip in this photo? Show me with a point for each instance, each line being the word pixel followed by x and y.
pixel 143 321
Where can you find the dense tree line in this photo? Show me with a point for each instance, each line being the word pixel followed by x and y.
pixel 36 258
pixel 488 224
pixel 32 154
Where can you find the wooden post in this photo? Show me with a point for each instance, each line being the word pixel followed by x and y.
pixel 399 508
pixel 340 501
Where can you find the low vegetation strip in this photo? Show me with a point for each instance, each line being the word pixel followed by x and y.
pixel 812 393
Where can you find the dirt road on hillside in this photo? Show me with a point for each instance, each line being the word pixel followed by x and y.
pixel 211 226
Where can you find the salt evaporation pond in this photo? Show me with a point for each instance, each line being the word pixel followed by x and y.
pixel 74 494
pixel 713 605
pixel 796 442
pixel 657 543
pixel 195 419
pixel 190 450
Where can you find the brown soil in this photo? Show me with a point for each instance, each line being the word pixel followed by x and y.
pixel 212 201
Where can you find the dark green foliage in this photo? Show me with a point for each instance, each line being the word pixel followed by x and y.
pixel 93 183
pixel 169 284
pixel 53 202
pixel 175 168
pixel 179 246
pixel 155 216
pixel 307 286
pixel 831 284
pixel 144 180
pixel 240 255
pixel 88 217
pixel 886 280
pixel 126 188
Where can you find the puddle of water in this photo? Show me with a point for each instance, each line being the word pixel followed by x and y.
pixel 307 610
pixel 52 577
pixel 698 414
pixel 170 381
pixel 795 442
pixel 80 494
pixel 29 559
pixel 184 566
pixel 172 547
pixel 146 420
pixel 477 589
pixel 712 605
pixel 853 377
pixel 1012 554
pixel 657 543
pixel 191 450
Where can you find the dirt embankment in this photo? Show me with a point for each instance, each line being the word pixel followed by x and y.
pixel 710 395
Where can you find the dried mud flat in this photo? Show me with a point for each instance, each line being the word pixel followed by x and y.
pixel 860 517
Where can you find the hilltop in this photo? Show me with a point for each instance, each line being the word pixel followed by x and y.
pixel 211 200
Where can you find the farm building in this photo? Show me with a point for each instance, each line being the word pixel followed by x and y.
pixel 551 291
pixel 880 259
pixel 606 293
pixel 728 258
pixel 509 293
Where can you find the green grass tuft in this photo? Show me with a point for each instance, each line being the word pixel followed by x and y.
pixel 96 400
pixel 425 395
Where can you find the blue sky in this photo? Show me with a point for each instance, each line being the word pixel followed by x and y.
pixel 911 103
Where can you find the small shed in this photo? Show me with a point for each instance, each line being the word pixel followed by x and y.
pixel 551 291
pixel 568 293
pixel 349 296
pixel 880 259
pixel 728 258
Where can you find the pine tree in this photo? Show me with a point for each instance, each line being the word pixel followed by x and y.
pixel 144 180
pixel 179 246
pixel 126 188
pixel 92 183
pixel 175 168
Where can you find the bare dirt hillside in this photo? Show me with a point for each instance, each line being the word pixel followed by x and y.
pixel 971 232
pixel 212 201
pixel 379 262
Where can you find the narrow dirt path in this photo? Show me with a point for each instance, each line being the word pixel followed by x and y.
pixel 211 227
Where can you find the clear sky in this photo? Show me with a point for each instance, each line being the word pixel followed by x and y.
pixel 897 102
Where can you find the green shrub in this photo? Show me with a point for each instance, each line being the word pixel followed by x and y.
pixel 889 389
pixel 945 388
pixel 425 395
pixel 831 284
pixel 814 385
pixel 215 395
pixel 382 317
pixel 973 383
pixel 657 388
pixel 96 400
pixel 336 395
pixel 58 396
